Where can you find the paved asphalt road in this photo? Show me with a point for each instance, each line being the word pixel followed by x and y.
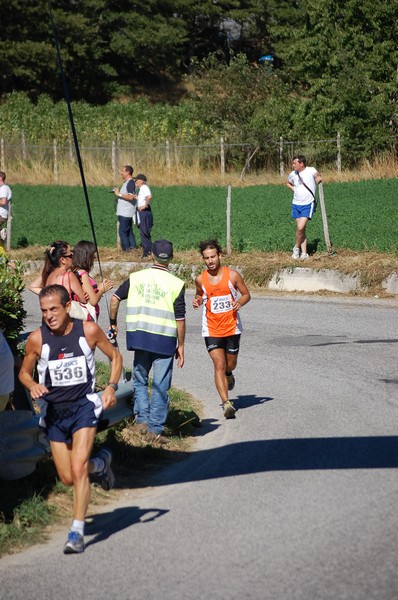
pixel 294 499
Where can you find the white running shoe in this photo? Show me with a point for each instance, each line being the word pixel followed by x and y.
pixel 74 543
pixel 296 253
pixel 304 256
pixel 3 233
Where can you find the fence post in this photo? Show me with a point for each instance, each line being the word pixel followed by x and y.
pixel 119 150
pixel 113 160
pixel 70 148
pixel 324 219
pixel 281 167
pixel 176 154
pixel 23 145
pixel 338 152
pixel 55 160
pixel 222 157
pixel 2 155
pixel 9 221
pixel 118 244
pixel 168 161
pixel 229 221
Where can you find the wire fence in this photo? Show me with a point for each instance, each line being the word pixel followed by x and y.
pixel 224 156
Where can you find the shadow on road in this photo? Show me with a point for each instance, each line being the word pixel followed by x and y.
pixel 250 400
pixel 295 454
pixel 104 525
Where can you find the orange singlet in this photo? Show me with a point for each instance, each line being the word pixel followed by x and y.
pixel 219 319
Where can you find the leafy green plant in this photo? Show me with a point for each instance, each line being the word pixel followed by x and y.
pixel 12 313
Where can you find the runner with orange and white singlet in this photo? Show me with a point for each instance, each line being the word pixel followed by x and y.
pixel 222 292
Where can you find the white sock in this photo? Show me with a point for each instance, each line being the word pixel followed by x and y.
pixel 78 526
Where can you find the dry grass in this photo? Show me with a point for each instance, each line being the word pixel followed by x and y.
pixel 259 267
pixel 100 173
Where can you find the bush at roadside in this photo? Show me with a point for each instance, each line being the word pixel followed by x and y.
pixel 12 313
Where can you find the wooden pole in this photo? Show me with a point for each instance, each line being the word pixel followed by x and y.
pixel 281 166
pixel 118 244
pixel 229 221
pixel 119 150
pixel 247 163
pixel 324 218
pixel 9 219
pixel 338 152
pixel 55 160
pixel 114 160
pixel 2 155
pixel 222 158
pixel 70 148
pixel 23 145
pixel 168 161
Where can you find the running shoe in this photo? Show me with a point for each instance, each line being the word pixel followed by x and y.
pixel 229 410
pixel 141 428
pixel 3 233
pixel 304 256
pixel 231 382
pixel 106 476
pixel 156 438
pixel 74 543
pixel 296 253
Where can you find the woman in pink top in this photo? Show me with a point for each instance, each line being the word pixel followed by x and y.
pixel 58 260
pixel 83 260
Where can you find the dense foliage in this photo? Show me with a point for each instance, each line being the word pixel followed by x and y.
pixel 359 216
pixel 12 313
pixel 113 47
pixel 332 68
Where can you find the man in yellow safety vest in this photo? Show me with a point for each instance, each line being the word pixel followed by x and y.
pixel 155 330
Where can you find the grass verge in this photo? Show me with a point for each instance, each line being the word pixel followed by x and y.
pixel 259 267
pixel 30 506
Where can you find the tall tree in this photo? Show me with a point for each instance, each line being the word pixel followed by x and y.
pixel 28 55
pixel 340 59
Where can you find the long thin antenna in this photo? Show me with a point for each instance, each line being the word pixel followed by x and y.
pixel 75 140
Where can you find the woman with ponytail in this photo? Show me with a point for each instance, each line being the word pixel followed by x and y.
pixel 58 260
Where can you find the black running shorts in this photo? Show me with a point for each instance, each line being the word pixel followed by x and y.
pixel 230 343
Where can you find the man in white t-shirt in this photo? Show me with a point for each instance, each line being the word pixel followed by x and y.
pixel 302 181
pixel 126 201
pixel 5 197
pixel 145 217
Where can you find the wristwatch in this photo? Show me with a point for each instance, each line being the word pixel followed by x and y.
pixel 114 386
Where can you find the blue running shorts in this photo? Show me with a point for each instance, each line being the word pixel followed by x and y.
pixel 306 211
pixel 62 420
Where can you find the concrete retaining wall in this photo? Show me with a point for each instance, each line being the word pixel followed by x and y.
pixel 301 279
pixel 310 280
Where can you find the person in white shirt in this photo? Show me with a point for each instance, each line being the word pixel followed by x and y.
pixel 302 181
pixel 145 217
pixel 5 197
pixel 126 201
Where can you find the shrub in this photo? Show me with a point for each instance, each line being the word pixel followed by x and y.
pixel 12 313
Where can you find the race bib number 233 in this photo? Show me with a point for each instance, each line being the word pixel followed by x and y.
pixel 221 304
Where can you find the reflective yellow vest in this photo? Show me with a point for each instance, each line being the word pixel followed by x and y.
pixel 150 319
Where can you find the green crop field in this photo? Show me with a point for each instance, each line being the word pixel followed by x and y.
pixel 361 216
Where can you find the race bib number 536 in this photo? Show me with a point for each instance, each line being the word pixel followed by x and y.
pixel 221 304
pixel 68 371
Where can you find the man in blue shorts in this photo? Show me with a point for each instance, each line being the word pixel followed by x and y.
pixel 302 181
pixel 63 349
